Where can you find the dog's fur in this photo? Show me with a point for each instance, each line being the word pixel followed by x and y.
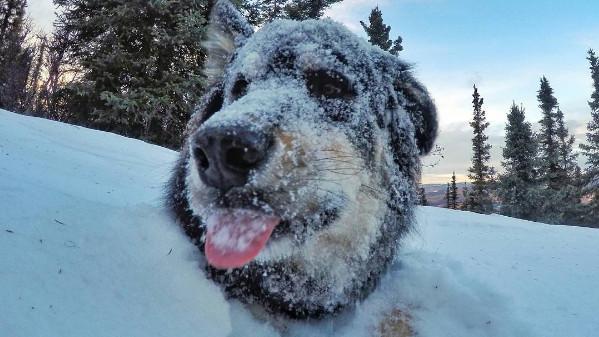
pixel 346 124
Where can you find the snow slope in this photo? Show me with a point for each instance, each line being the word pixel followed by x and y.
pixel 86 250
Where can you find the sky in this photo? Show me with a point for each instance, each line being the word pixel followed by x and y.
pixel 502 47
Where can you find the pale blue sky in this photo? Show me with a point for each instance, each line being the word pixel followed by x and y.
pixel 503 47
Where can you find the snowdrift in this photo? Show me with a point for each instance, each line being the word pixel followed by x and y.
pixel 86 250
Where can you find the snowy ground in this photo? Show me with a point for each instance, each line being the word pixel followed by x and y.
pixel 85 250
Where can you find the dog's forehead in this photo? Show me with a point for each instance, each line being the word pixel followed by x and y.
pixel 310 44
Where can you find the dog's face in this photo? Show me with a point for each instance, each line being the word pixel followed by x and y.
pixel 301 162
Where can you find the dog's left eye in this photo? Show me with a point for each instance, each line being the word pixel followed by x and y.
pixel 329 84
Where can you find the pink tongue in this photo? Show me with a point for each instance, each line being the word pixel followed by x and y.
pixel 236 236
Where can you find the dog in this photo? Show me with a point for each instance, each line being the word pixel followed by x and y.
pixel 298 176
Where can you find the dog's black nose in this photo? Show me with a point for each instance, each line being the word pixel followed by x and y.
pixel 225 156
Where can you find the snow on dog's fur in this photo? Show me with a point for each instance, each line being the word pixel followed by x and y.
pixel 298 176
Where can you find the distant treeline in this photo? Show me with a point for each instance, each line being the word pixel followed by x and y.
pixel 541 180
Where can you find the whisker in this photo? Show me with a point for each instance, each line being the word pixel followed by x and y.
pixel 337 164
pixel 343 197
pixel 336 150
pixel 336 158
pixel 348 174
pixel 372 191
pixel 328 180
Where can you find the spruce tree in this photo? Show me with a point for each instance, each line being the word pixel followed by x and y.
pixel 566 157
pixel 140 65
pixel 481 173
pixel 259 12
pixel 464 205
pixel 453 193
pixel 557 162
pixel 307 9
pixel 16 57
pixel 448 197
pixel 548 145
pixel 518 187
pixel 591 148
pixel 571 189
pixel 378 33
pixel 422 200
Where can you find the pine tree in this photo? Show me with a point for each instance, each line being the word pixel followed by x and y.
pixel 307 9
pixel 591 148
pixel 378 33
pixel 422 201
pixel 140 65
pixel 453 193
pixel 548 145
pixel 518 187
pixel 16 57
pixel 566 157
pixel 557 162
pixel 571 189
pixel 259 12
pixel 448 197
pixel 464 205
pixel 481 174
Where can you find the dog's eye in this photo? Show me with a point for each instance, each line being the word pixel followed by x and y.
pixel 239 88
pixel 329 84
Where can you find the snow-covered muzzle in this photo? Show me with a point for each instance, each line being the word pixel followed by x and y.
pixel 297 179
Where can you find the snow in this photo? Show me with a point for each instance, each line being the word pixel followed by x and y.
pixel 86 250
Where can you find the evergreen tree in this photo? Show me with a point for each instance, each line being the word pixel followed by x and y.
pixel 548 145
pixel 140 65
pixel 464 205
pixel 448 197
pixel 378 33
pixel 259 12
pixel 570 188
pixel 16 57
pixel 307 9
pixel 481 173
pixel 518 187
pixel 557 163
pixel 591 148
pixel 566 157
pixel 422 201
pixel 453 193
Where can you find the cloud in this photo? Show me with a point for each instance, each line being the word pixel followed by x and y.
pixel 350 12
pixel 456 140
pixel 42 13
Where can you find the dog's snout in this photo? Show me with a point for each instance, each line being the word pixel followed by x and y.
pixel 226 156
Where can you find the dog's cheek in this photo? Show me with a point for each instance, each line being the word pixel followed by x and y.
pixel 345 245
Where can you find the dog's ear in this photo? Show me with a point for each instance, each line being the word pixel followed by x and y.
pixel 421 109
pixel 415 100
pixel 227 30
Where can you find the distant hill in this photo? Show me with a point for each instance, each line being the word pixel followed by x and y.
pixel 435 194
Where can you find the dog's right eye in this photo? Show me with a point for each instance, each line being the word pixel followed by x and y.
pixel 239 88
pixel 329 84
